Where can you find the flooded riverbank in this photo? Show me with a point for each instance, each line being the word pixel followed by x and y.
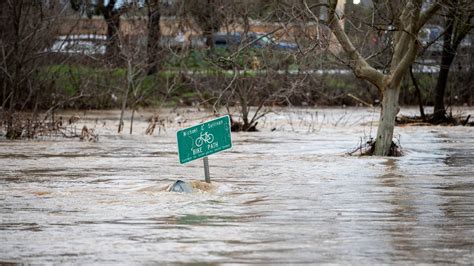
pixel 286 194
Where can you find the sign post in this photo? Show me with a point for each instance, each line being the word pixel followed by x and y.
pixel 207 175
pixel 202 140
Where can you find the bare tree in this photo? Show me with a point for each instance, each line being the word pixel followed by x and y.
pixel 250 64
pixel 458 24
pixel 132 52
pixel 406 25
pixel 27 28
pixel 141 56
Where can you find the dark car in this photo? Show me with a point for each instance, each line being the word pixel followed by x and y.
pixel 253 40
pixel 226 40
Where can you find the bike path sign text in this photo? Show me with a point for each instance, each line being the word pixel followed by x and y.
pixel 204 139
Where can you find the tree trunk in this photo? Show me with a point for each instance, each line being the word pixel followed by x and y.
pixel 439 113
pixel 451 39
pixel 390 109
pixel 212 24
pixel 154 34
pixel 127 92
pixel 418 94
pixel 447 56
pixel 3 81
pixel 209 41
pixel 112 50
pixel 245 109
pixel 131 119
pixel 124 104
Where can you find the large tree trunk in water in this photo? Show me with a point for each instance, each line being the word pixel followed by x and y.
pixel 390 109
pixel 154 34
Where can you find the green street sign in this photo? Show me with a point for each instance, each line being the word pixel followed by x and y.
pixel 204 139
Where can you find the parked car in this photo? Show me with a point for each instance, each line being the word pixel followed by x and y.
pixel 254 40
pixel 269 41
pixel 79 44
pixel 173 42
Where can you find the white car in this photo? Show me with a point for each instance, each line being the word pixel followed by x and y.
pixel 79 44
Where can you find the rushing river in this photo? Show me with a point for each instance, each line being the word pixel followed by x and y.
pixel 286 194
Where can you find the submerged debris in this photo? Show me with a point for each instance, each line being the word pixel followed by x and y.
pixel 428 120
pixel 239 126
pixel 88 135
pixel 31 126
pixel 153 122
pixel 202 186
pixel 368 149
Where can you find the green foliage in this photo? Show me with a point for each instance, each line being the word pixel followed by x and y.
pixel 219 58
pixel 196 59
pixel 338 83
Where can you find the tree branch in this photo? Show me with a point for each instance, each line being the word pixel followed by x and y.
pixel 402 58
pixel 358 64
pixel 406 61
pixel 462 30
pixel 428 13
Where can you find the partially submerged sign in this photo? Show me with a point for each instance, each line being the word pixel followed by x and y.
pixel 204 139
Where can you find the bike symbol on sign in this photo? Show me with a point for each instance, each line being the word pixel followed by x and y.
pixel 204 137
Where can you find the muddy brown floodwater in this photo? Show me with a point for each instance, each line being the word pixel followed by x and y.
pixel 286 194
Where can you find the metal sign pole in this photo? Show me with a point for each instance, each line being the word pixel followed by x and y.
pixel 206 170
